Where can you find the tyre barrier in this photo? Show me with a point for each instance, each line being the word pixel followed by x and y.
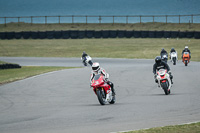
pixel 197 35
pixel 76 34
pixel 57 34
pixel 144 34
pixel 182 34
pixel 121 33
pixel 65 34
pixel 136 34
pixel 97 34
pixel 113 34
pixel 152 34
pixel 26 35
pixel 50 34
pixel 89 34
pixel 159 34
pixel 9 66
pixel 34 35
pixel 174 34
pixel 167 34
pixel 105 34
pixel 81 34
pixel 129 34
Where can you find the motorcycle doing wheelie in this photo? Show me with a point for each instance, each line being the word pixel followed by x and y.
pixel 87 60
pixel 102 90
pixel 164 80
pixel 186 58
pixel 173 57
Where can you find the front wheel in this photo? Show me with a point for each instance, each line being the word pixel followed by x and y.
pixel 101 96
pixel 165 87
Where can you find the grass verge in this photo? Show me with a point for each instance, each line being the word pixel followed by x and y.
pixel 110 48
pixel 10 75
pixel 186 128
pixel 17 27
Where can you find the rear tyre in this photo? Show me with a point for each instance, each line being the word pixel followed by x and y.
pixel 174 61
pixel 101 97
pixel 186 62
pixel 90 62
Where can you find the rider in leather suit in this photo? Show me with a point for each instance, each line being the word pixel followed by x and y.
pixel 159 64
pixel 186 50
pixel 97 70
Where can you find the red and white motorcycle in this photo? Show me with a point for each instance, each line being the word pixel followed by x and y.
pixel 164 80
pixel 102 90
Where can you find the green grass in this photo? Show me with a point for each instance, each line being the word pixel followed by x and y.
pixel 187 128
pixel 10 75
pixel 2 62
pixel 136 26
pixel 109 48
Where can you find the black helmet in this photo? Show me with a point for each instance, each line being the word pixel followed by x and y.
pixel 172 49
pixel 158 59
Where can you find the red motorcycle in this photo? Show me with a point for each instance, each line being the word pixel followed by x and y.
pixel 102 90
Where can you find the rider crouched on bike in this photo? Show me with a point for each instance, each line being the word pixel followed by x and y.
pixel 163 52
pixel 84 57
pixel 186 50
pixel 159 64
pixel 171 51
pixel 97 70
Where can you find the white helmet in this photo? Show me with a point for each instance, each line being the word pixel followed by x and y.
pixel 186 47
pixel 95 67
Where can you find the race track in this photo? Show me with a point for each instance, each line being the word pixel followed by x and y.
pixel 63 102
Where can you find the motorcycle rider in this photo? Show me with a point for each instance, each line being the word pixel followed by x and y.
pixel 163 52
pixel 172 50
pixel 186 50
pixel 84 55
pixel 96 69
pixel 159 64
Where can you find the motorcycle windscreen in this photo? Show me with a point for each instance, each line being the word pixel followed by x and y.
pixel 96 77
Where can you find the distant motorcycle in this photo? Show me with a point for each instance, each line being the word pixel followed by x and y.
pixel 186 58
pixel 102 90
pixel 173 57
pixel 87 60
pixel 164 80
pixel 164 58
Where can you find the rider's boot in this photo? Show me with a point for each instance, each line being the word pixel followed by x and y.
pixel 112 88
pixel 113 91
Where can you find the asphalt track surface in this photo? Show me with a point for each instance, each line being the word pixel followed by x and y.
pixel 63 102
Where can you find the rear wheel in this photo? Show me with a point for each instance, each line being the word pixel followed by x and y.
pixel 186 62
pixel 101 96
pixel 174 61
pixel 90 62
